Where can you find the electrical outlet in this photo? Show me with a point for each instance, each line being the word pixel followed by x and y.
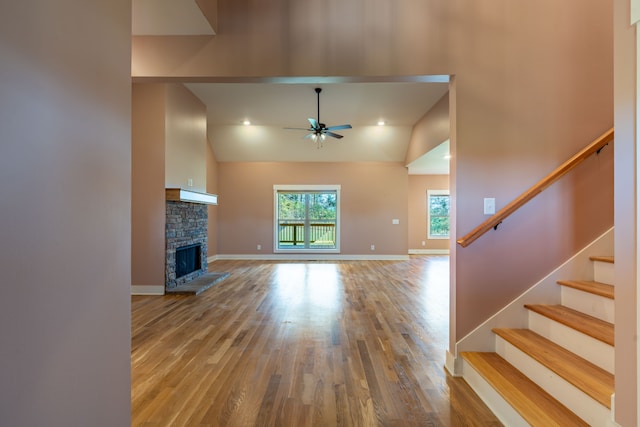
pixel 190 182
pixel 424 243
pixel 259 247
pixel 373 247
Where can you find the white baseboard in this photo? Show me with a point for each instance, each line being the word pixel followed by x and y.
pixel 428 251
pixel 312 257
pixel 211 259
pixel 452 365
pixel 147 290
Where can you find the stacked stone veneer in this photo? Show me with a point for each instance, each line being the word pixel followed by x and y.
pixel 186 224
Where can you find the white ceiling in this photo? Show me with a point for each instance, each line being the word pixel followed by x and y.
pixel 276 103
pixel 361 104
pixel 273 106
pixel 435 162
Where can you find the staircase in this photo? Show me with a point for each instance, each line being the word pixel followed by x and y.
pixel 559 371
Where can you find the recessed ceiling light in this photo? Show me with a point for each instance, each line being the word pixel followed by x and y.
pixel 246 123
pixel 380 122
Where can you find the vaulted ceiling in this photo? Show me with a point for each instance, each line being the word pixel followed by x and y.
pixel 271 106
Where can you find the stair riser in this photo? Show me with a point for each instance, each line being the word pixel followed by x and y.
pixel 603 272
pixel 588 348
pixel 593 305
pixel 502 410
pixel 582 405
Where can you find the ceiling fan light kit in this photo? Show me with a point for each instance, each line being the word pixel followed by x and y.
pixel 319 131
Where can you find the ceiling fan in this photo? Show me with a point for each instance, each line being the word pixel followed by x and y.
pixel 319 131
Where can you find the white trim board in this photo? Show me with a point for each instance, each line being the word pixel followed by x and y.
pixel 147 290
pixel 313 257
pixel 428 251
pixel 450 364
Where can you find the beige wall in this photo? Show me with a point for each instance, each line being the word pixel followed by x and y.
pixel 528 96
pixel 372 194
pixel 209 9
pixel 212 187
pixel 65 186
pixel 169 132
pixel 430 131
pixel 186 140
pixel 418 186
pixel 360 38
pixel 626 232
pixel 147 184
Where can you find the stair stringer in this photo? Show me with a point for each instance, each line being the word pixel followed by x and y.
pixel 546 291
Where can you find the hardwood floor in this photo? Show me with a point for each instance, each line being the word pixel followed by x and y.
pixel 302 344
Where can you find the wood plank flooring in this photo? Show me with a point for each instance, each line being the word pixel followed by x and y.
pixel 357 343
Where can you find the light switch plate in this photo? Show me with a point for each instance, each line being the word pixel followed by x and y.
pixel 489 205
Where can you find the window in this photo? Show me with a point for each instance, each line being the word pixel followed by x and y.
pixel 438 214
pixel 306 218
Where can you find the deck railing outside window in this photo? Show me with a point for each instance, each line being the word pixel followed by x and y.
pixel 321 234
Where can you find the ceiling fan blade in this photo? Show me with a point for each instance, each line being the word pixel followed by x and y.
pixel 338 127
pixel 307 129
pixel 314 123
pixel 334 135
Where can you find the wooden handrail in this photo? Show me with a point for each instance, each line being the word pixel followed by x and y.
pixel 563 169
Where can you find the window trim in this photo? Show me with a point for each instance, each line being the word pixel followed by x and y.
pixel 302 189
pixel 428 206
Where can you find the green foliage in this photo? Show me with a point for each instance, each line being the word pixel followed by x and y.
pixel 322 206
pixel 439 226
pixel 293 206
pixel 439 205
pixel 439 215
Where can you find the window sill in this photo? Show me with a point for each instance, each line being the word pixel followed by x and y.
pixel 306 251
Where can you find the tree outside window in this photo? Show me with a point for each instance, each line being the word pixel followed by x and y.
pixel 438 214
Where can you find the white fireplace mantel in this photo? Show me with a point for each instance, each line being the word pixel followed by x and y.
pixel 182 195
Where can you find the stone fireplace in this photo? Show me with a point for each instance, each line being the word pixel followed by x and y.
pixel 186 236
pixel 185 242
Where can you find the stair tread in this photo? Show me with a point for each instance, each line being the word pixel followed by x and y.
pixel 590 286
pixel 591 379
pixel 534 404
pixel 589 325
pixel 608 259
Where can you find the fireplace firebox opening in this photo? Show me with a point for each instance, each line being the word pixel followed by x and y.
pixel 188 260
